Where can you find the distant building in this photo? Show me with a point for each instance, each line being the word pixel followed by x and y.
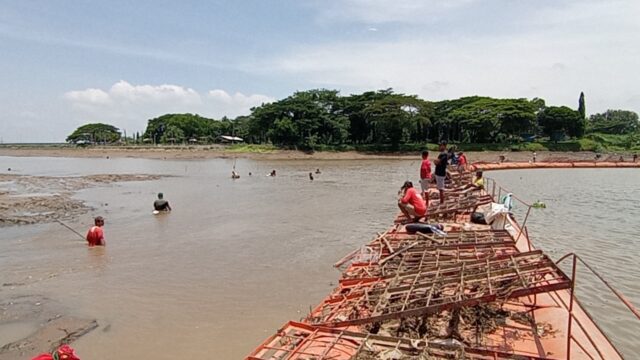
pixel 229 139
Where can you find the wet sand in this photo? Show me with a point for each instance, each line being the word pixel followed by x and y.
pixel 40 199
pixel 46 325
pixel 217 151
pixel 34 323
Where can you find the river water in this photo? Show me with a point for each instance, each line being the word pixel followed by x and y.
pixel 236 259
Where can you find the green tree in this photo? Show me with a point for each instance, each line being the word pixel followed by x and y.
pixel 581 107
pixel 95 133
pixel 311 118
pixel 485 119
pixel 555 120
pixel 398 118
pixel 356 108
pixel 190 125
pixel 284 132
pixel 241 129
pixel 316 115
pixel 172 134
pixel 614 122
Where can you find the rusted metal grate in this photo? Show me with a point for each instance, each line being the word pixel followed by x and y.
pixel 434 289
pixel 299 341
pixel 454 238
pixel 418 257
pixel 389 248
pixel 433 257
pixel 457 178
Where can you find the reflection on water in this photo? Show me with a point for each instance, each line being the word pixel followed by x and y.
pixel 237 259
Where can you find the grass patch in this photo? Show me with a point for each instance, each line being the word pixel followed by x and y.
pixel 251 148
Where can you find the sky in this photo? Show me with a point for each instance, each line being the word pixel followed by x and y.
pixel 66 63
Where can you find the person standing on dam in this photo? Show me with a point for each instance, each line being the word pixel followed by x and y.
pixel 441 169
pixel 425 176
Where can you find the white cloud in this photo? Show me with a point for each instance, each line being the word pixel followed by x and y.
pixel 88 96
pixel 236 104
pixel 129 106
pixel 125 92
pixel 238 99
pixel 553 53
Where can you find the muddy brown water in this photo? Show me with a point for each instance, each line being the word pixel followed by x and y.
pixel 236 259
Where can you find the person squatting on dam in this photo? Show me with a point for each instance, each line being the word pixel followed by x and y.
pixel 410 203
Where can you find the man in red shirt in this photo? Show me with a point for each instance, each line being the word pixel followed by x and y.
pixel 410 203
pixel 95 236
pixel 462 162
pixel 425 176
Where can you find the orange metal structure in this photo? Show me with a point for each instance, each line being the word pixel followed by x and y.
pixel 479 293
pixel 552 165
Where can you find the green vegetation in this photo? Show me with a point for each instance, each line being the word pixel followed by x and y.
pixel 251 148
pixel 323 120
pixel 614 122
pixel 558 121
pixel 179 128
pixel 94 133
pixel 582 110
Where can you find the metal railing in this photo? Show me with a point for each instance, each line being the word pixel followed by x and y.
pixel 493 185
pixel 575 258
pixel 496 191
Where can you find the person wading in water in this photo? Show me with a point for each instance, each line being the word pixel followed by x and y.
pixel 95 235
pixel 161 204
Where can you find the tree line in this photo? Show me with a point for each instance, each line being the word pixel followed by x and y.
pixel 321 117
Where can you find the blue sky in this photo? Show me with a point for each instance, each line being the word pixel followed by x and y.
pixel 66 63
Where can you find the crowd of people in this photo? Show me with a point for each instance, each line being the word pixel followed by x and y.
pixel 414 206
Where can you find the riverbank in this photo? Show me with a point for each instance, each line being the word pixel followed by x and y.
pixel 39 199
pixel 37 324
pixel 218 151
